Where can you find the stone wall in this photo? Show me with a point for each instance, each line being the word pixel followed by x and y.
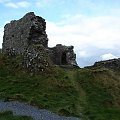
pixel 19 34
pixel 36 58
pixel 0 50
pixel 28 37
pixel 63 55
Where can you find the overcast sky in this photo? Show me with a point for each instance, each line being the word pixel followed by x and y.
pixel 91 26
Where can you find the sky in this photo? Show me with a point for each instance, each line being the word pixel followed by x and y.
pixel 91 26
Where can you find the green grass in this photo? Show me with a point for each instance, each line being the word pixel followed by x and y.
pixel 9 116
pixel 101 102
pixel 91 94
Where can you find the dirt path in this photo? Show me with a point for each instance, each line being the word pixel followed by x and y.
pixel 23 109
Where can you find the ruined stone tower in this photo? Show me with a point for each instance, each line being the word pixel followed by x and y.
pixel 28 37
pixel 19 34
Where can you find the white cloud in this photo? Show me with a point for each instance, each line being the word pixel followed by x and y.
pixel 10 3
pixel 23 4
pixel 100 32
pixel 108 56
pixel 91 36
pixel 38 4
pixel 4 1
pixel 45 3
pixel 83 54
pixel 42 3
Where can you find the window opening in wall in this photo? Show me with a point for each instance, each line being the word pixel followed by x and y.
pixel 63 58
pixel 12 35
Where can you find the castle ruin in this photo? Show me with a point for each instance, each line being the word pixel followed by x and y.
pixel 28 37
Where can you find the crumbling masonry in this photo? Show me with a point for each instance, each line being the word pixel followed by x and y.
pixel 28 37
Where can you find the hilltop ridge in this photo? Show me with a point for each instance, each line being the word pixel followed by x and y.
pixel 113 64
pixel 91 93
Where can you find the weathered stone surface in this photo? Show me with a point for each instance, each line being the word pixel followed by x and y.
pixel 28 37
pixel 19 34
pixel 113 64
pixel 36 58
pixel 11 52
pixel 63 55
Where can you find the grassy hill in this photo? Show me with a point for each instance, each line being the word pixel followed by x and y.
pixel 91 94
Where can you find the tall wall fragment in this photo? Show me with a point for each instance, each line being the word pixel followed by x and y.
pixel 28 37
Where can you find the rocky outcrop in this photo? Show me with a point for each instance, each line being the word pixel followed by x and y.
pixel 113 64
pixel 28 37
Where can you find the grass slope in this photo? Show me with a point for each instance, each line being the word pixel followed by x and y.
pixel 92 94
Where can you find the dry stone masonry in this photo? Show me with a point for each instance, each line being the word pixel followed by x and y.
pixel 28 37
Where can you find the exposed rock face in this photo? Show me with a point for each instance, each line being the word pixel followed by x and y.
pixel 113 64
pixel 28 37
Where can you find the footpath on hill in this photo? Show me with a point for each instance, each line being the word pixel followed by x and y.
pixel 23 109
